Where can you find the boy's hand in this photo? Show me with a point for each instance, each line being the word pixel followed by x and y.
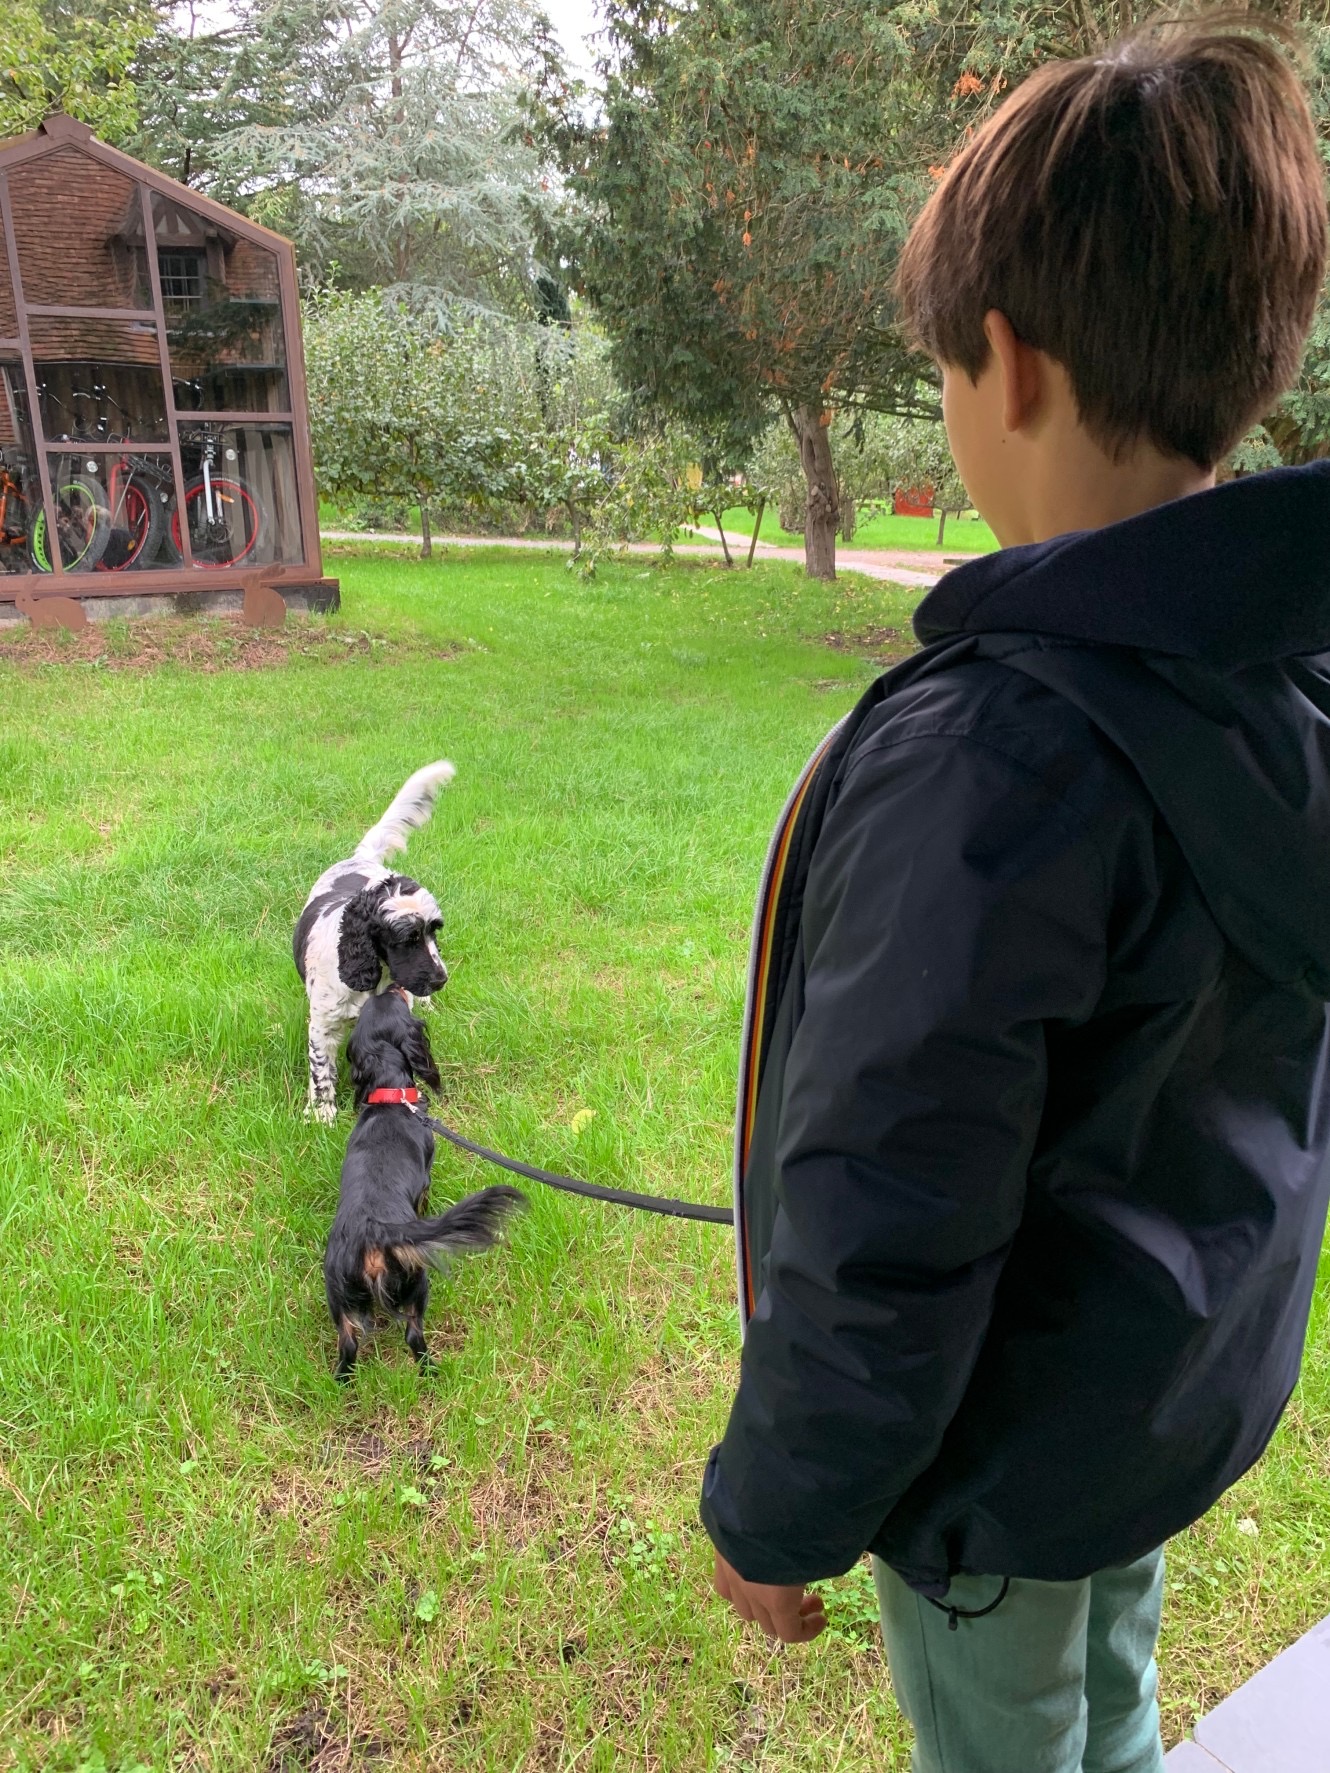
pixel 790 1614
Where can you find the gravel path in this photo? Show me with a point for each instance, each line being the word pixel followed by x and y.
pixel 894 566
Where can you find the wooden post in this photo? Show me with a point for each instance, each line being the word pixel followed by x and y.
pixel 263 606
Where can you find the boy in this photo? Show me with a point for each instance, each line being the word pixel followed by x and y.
pixel 1031 1194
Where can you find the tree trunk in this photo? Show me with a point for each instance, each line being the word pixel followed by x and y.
pixel 575 520
pixel 426 538
pixel 812 432
pixel 941 526
pixel 720 531
pixel 757 524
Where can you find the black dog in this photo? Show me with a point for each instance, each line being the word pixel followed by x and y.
pixel 381 1249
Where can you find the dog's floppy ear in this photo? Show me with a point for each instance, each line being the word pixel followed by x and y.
pixel 358 959
pixel 364 1059
pixel 415 1049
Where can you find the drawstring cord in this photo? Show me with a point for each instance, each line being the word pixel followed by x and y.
pixel 955 1614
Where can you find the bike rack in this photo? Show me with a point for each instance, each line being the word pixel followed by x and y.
pixel 36 261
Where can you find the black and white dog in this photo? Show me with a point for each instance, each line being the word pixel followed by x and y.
pixel 365 927
pixel 382 1246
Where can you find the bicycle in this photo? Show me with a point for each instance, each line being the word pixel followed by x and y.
pixel 22 542
pixel 82 512
pixel 14 522
pixel 140 490
pixel 226 520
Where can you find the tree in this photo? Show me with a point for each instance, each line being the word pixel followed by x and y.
pixel 876 454
pixel 75 58
pixel 921 457
pixel 493 413
pixel 744 203
pixel 396 408
pixel 385 137
pixel 178 74
pixel 755 171
pixel 560 404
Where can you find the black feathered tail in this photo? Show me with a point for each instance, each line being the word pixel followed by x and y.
pixel 475 1223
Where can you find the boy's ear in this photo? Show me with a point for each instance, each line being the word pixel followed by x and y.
pixel 1021 368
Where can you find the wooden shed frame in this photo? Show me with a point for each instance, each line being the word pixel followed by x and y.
pixel 186 586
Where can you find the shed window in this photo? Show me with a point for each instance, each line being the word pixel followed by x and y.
pixel 182 280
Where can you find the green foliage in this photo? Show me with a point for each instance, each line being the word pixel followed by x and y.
pixel 853 1615
pixel 385 137
pixel 396 409
pixel 77 58
pixel 1256 451
pixel 742 219
pixel 875 454
pixel 1299 429
pixel 178 75
pixel 756 168
pixel 744 203
pixel 659 483
pixel 482 413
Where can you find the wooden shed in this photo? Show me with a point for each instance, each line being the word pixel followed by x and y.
pixel 154 430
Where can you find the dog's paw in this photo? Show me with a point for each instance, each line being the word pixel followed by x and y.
pixel 323 1112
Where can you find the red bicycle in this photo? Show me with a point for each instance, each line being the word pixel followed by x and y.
pixel 138 489
pixel 226 521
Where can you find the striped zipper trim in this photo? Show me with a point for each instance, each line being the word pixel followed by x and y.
pixel 755 1008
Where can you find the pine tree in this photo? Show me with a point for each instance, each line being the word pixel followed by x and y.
pixel 384 136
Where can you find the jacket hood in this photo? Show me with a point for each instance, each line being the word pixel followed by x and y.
pixel 1191 635
pixel 1236 576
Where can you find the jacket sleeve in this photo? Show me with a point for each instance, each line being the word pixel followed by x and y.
pixel 954 908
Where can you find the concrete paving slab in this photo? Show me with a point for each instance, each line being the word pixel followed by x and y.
pixel 1279 1722
pixel 1190 1757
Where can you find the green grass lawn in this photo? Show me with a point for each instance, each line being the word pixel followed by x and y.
pixel 964 535
pixel 213 1558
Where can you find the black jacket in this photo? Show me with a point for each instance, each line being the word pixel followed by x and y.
pixel 1038 1172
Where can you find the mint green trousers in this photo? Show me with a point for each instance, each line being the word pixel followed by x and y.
pixel 1060 1678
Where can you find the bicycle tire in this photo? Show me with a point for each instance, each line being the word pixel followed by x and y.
pixel 88 531
pixel 215 552
pixel 135 540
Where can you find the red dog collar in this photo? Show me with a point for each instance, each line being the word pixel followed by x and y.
pixel 407 1096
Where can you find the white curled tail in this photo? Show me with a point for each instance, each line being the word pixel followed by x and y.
pixel 411 807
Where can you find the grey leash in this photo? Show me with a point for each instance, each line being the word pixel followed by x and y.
pixel 619 1197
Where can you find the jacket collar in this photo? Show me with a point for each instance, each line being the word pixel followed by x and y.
pixel 1232 577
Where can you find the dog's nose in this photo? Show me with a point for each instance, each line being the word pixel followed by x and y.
pixel 443 976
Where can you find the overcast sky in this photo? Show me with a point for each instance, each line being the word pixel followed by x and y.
pixel 572 19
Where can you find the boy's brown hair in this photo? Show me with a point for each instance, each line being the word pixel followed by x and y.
pixel 1154 218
